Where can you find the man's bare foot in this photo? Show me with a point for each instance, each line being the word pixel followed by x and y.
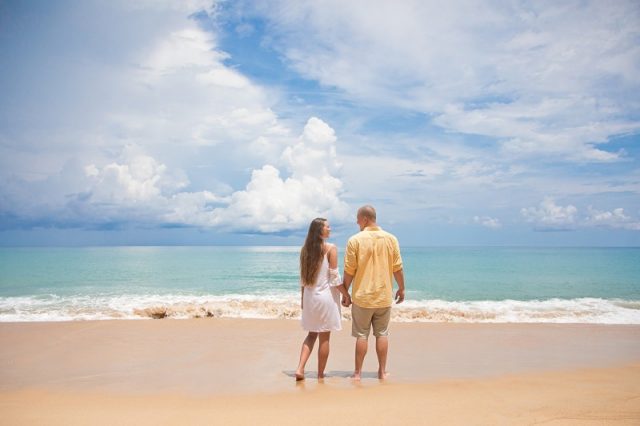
pixel 356 377
pixel 299 376
pixel 382 375
pixel 320 376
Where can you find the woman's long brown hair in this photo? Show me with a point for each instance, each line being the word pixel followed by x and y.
pixel 311 253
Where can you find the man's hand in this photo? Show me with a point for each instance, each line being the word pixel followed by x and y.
pixel 346 301
pixel 399 276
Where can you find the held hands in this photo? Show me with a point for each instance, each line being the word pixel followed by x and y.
pixel 346 301
pixel 399 295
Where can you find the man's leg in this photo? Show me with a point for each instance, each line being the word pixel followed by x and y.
pixel 360 328
pixel 382 347
pixel 380 321
pixel 361 351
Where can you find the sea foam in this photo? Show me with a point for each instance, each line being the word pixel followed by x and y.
pixel 286 306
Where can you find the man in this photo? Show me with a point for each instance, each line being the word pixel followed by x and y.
pixel 371 259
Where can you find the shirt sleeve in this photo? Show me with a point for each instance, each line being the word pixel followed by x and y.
pixel 350 258
pixel 397 258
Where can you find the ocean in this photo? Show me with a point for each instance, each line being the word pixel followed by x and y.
pixel 479 284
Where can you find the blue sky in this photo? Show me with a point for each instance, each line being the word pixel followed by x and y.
pixel 237 122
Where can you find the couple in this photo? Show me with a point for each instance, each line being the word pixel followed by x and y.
pixel 371 259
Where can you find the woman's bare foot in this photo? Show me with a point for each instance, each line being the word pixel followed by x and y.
pixel 299 376
pixel 356 377
pixel 382 375
pixel 320 376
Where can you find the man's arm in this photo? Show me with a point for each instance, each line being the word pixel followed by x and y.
pixel 398 272
pixel 350 262
pixel 347 279
pixel 350 267
pixel 399 276
pixel 346 282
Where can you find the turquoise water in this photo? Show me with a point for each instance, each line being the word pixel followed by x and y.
pixel 153 270
pixel 524 273
pixel 443 284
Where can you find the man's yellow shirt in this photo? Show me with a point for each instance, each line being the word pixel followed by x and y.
pixel 371 257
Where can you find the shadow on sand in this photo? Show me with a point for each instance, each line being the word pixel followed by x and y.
pixel 332 373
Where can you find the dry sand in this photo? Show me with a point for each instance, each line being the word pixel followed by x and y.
pixel 241 371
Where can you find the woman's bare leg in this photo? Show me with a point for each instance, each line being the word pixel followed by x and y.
pixel 305 352
pixel 323 353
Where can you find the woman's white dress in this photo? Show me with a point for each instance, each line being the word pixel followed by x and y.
pixel 321 301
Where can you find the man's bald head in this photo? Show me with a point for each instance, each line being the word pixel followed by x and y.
pixel 367 212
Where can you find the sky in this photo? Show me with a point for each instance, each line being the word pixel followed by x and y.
pixel 464 123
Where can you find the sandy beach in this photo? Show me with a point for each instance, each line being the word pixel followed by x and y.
pixel 240 371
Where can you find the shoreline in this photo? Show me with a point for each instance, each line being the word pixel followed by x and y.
pixel 286 306
pixel 185 371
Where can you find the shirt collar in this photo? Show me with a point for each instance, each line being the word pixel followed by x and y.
pixel 372 228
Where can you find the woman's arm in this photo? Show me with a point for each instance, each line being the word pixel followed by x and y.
pixel 333 265
pixel 333 257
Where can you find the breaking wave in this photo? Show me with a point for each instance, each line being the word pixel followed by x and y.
pixel 71 308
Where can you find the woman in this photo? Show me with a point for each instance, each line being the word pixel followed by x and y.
pixel 321 287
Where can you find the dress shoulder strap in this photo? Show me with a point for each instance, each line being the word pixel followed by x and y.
pixel 329 246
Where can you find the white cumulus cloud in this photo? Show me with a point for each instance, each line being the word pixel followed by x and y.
pixel 488 222
pixel 550 216
pixel 272 203
pixel 138 186
pixel 616 218
pixel 137 178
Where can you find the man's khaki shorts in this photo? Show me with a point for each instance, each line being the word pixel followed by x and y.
pixel 363 318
